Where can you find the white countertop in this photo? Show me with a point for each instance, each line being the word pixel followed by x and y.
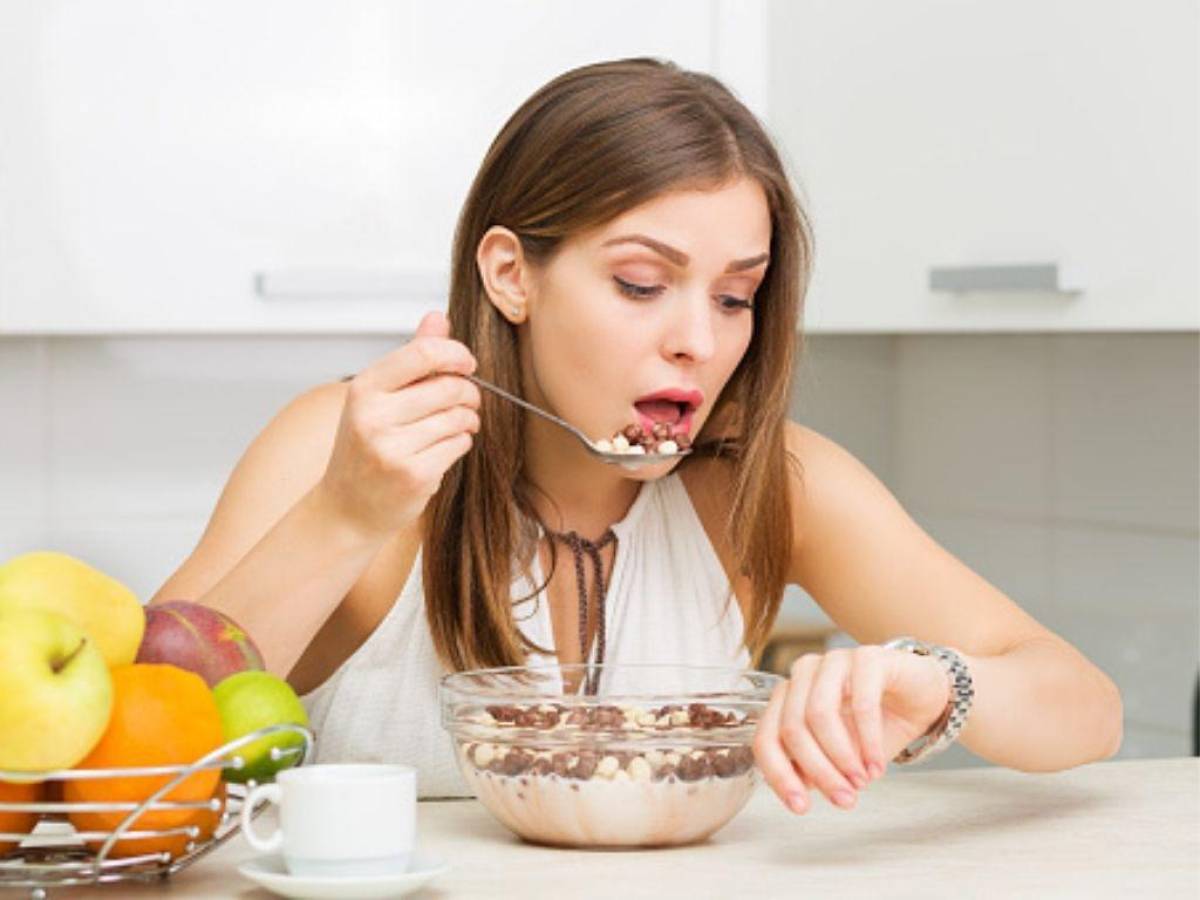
pixel 1129 828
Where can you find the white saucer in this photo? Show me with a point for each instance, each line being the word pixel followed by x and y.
pixel 270 872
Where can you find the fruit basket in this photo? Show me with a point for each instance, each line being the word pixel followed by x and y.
pixel 53 853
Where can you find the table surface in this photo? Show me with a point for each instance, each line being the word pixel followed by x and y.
pixel 1127 828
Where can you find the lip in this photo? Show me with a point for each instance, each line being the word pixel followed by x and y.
pixel 692 399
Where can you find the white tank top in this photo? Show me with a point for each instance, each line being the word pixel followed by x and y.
pixel 668 601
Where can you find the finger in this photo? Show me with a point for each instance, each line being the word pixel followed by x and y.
pixel 825 719
pixel 433 324
pixel 852 727
pixel 421 357
pixel 800 743
pixel 867 680
pixel 775 765
pixel 434 461
pixel 418 436
pixel 426 397
pixel 442 455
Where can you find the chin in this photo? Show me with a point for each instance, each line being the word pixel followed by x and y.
pixel 651 473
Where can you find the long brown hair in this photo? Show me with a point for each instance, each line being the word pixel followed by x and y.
pixel 593 143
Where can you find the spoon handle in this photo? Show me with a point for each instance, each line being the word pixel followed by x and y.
pixel 488 386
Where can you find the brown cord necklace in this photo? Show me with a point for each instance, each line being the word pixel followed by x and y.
pixel 580 545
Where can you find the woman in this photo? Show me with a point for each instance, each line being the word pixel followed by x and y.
pixel 630 251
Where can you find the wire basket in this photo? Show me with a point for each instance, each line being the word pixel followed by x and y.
pixel 58 858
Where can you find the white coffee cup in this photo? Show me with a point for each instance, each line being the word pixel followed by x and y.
pixel 340 818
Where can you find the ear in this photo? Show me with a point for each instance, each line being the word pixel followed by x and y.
pixel 506 274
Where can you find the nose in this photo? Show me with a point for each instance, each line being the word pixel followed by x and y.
pixel 688 333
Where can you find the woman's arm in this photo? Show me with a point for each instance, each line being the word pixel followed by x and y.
pixel 329 481
pixel 1039 704
pixel 276 555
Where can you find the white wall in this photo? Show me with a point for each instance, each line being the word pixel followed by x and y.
pixel 1063 468
pixel 116 449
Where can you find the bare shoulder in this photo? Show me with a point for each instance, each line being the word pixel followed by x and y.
pixel 305 428
pixel 815 464
pixel 823 475
pixel 289 456
pixel 832 495
pixel 282 463
pixel 814 461
pixel 811 448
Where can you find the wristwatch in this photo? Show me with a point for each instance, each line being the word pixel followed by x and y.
pixel 945 730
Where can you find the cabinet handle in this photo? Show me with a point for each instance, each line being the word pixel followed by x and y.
pixel 358 284
pixel 1041 278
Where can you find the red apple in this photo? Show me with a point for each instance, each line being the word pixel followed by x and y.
pixel 197 638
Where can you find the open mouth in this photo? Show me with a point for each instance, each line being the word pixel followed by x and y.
pixel 674 408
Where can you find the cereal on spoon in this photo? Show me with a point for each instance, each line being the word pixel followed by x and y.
pixel 634 439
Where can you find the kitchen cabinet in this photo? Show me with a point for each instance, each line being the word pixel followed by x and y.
pixel 276 166
pixel 979 166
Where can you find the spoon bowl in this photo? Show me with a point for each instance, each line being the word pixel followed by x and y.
pixel 626 460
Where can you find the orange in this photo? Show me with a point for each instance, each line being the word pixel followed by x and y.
pixel 162 715
pixel 209 820
pixel 17 822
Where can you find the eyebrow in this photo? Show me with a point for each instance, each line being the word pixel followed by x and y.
pixel 681 259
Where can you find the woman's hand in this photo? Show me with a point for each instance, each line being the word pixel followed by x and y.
pixel 841 716
pixel 407 418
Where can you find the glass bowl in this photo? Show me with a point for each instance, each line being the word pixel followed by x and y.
pixel 658 755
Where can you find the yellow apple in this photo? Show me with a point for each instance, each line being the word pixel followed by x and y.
pixel 55 691
pixel 104 608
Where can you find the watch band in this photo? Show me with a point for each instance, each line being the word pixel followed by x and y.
pixel 945 730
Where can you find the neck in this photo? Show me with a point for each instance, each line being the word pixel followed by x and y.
pixel 572 490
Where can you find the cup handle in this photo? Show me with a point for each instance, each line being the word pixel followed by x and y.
pixel 270 793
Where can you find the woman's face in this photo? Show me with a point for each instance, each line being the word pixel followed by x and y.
pixel 645 318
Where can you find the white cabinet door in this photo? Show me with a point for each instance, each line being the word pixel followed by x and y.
pixel 979 133
pixel 164 164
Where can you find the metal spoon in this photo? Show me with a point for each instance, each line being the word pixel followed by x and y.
pixel 628 460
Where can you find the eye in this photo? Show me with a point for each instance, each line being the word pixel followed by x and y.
pixel 637 291
pixel 731 303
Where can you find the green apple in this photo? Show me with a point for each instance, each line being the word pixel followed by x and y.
pixel 252 700
pixel 55 691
